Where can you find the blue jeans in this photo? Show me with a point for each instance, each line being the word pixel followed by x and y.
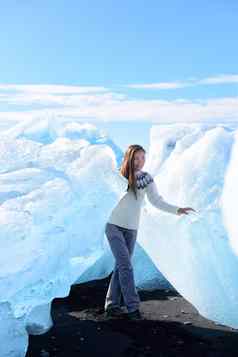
pixel 122 241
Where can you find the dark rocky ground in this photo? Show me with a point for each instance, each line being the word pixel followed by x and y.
pixel 170 327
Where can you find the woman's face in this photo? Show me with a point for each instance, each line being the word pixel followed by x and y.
pixel 139 160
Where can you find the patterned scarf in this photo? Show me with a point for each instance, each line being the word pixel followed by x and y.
pixel 143 178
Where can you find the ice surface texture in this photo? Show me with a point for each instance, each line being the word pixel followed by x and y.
pixel 196 166
pixel 58 184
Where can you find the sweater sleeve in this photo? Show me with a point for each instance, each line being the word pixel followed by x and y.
pixel 157 200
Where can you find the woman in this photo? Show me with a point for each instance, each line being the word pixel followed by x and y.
pixel 122 227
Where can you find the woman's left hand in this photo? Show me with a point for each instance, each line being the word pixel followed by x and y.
pixel 183 210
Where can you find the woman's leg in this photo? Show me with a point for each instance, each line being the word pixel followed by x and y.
pixel 114 293
pixel 123 277
pixel 130 237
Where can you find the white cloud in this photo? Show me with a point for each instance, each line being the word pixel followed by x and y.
pixel 223 78
pixel 54 95
pixel 219 79
pixel 50 88
pixel 99 103
pixel 116 106
pixel 161 85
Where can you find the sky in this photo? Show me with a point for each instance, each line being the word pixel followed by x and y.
pixel 154 61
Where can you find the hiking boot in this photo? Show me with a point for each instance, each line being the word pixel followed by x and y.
pixel 134 315
pixel 112 311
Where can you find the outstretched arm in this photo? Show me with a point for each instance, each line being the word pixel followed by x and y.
pixel 158 201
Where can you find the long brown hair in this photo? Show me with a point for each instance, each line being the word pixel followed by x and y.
pixel 127 166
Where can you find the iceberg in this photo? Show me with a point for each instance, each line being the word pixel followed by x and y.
pixel 59 182
pixel 195 166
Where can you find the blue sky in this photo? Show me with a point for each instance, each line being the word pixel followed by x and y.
pixel 108 60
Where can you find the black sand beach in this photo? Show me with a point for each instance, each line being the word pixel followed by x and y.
pixel 170 327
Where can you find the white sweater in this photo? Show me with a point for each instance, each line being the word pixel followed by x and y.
pixel 127 211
